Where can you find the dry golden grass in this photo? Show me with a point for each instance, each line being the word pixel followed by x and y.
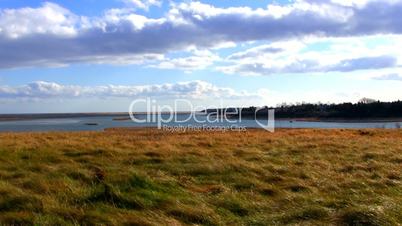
pixel 151 177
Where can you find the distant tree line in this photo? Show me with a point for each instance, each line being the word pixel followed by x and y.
pixel 366 108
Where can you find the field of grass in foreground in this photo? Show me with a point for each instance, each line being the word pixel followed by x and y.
pixel 151 177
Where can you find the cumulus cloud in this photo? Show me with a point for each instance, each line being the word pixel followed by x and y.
pixel 193 89
pixel 48 20
pixel 51 35
pixel 197 91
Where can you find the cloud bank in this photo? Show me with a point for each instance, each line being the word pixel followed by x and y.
pixel 317 55
pixel 51 35
pixel 192 90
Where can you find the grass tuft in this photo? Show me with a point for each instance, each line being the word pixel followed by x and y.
pixel 310 213
pixel 20 203
pixel 192 216
pixel 361 217
pixel 107 194
pixel 17 218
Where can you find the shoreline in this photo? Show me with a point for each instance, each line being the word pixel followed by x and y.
pixel 123 116
pixel 341 120
pixel 156 130
pixel 25 117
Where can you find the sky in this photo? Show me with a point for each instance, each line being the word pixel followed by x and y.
pixel 100 55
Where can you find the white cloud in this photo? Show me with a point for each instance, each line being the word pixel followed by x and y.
pixel 198 92
pixel 114 18
pixel 311 55
pixel 50 19
pixel 193 90
pixel 311 66
pixel 52 35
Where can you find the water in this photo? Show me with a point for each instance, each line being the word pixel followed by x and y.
pixel 103 122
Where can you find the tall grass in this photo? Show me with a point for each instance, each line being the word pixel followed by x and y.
pixel 151 177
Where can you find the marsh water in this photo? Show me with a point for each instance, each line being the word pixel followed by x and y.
pixel 102 122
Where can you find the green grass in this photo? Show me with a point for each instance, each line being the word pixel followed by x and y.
pixel 151 177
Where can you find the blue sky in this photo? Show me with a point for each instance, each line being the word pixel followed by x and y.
pixel 88 56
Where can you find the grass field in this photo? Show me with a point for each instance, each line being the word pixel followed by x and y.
pixel 151 177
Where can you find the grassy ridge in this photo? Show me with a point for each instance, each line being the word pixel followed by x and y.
pixel 151 177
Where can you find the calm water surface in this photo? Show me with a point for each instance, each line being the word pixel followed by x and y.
pixel 103 122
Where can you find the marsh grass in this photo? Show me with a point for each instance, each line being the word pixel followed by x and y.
pixel 151 177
